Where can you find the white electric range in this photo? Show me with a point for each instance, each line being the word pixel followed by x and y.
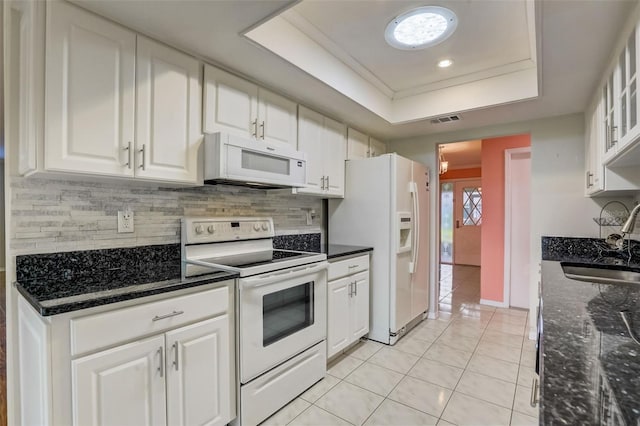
pixel 281 307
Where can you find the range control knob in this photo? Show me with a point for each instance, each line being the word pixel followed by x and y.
pixel 265 226
pixel 256 227
pixel 199 229
pixel 211 229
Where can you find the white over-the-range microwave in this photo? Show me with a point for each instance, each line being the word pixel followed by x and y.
pixel 241 161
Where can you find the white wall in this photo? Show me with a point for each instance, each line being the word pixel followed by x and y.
pixel 558 206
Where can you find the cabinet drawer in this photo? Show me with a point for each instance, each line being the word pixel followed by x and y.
pixel 349 266
pixel 107 328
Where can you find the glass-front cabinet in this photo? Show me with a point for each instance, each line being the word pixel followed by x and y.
pixel 628 99
pixel 620 100
pixel 610 137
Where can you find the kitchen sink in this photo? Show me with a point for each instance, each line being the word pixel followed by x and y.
pixel 610 274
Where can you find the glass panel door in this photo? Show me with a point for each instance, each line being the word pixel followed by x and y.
pixel 446 222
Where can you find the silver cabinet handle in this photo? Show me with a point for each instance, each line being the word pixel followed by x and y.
pixel 161 366
pixel 129 153
pixel 614 139
pixel 254 124
pixel 350 289
pixel 172 314
pixel 534 392
pixel 322 182
pixel 355 288
pixel 327 181
pixel 262 127
pixel 143 165
pixel 589 182
pixel 175 356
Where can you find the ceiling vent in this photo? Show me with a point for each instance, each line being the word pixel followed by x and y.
pixel 446 119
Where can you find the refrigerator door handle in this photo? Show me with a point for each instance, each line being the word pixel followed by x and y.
pixel 416 228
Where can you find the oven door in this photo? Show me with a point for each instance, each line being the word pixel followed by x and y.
pixel 281 314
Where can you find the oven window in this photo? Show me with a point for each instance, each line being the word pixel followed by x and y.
pixel 264 163
pixel 286 312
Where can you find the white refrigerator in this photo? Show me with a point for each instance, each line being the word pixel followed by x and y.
pixel 386 206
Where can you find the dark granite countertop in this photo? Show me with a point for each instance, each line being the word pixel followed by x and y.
pixel 339 250
pixel 56 283
pixel 590 370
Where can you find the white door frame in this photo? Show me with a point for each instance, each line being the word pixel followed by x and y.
pixel 508 158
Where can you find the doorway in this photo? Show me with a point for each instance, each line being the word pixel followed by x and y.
pixel 460 223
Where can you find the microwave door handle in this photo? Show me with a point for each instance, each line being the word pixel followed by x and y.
pixel 260 281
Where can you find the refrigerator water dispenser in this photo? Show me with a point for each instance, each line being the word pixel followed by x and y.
pixel 404 232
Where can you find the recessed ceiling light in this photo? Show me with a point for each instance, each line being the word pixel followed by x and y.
pixel 421 27
pixel 445 63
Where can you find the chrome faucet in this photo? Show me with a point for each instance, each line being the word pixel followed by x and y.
pixel 630 224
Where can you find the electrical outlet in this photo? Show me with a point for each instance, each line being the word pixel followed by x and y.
pixel 125 221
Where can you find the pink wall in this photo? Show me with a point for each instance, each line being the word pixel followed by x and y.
pixel 492 242
pixel 462 173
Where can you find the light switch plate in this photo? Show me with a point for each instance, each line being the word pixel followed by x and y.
pixel 125 221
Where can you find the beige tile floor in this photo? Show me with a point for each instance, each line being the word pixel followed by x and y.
pixel 472 366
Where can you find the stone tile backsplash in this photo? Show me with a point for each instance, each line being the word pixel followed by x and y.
pixel 52 215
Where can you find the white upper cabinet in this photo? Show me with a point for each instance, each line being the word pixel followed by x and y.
pixel 324 142
pixel 360 145
pixel 594 179
pixel 90 93
pixel 277 119
pixel 335 156
pixel 117 104
pixel 169 113
pixel 376 147
pixel 231 103
pixel 239 107
pixel 627 95
pixel 357 144
pixel 310 141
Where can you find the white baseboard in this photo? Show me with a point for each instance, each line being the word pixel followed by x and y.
pixel 493 303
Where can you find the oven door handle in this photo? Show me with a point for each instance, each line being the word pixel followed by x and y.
pixel 259 281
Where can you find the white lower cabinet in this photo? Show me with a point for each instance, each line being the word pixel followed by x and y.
pixel 347 303
pixel 121 386
pixel 173 365
pixel 199 374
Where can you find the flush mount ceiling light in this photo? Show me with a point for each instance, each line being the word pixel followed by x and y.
pixel 421 27
pixel 445 63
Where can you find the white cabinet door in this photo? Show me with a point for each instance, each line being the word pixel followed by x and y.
pixel 277 119
pixel 357 144
pixel 168 127
pixel 334 156
pixel 310 141
pixel 200 374
pixel 121 386
pixel 338 315
pixel 610 115
pixel 230 104
pixel 90 92
pixel 376 148
pixel 359 309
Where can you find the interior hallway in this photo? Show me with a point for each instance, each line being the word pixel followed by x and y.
pixel 472 366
